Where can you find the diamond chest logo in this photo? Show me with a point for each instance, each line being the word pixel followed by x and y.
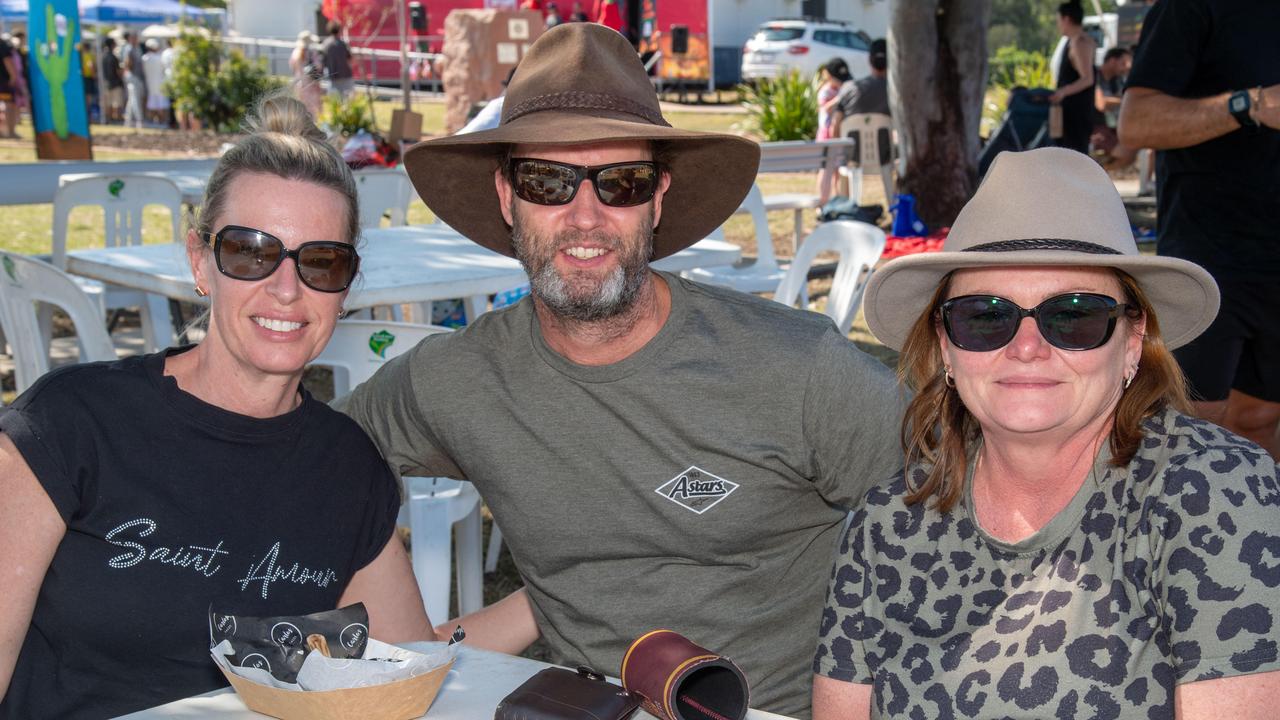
pixel 696 489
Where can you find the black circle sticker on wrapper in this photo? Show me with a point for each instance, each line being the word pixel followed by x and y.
pixel 286 635
pixel 225 625
pixel 256 660
pixel 353 635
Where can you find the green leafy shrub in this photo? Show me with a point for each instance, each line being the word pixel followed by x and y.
pixel 1013 67
pixel 350 117
pixel 785 108
pixel 217 89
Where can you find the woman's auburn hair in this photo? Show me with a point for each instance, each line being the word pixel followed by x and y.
pixel 938 430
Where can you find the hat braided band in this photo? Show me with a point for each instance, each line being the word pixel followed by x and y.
pixel 1044 244
pixel 579 100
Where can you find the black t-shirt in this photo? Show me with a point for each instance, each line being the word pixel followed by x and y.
pixel 111 69
pixel 1219 201
pixel 173 505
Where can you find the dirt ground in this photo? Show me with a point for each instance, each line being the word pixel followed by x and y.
pixel 194 143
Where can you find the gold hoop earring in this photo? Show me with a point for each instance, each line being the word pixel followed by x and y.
pixel 1128 379
pixel 200 291
pixel 947 378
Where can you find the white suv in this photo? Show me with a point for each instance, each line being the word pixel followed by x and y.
pixel 782 45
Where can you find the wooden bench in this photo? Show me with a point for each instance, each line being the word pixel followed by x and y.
pixel 800 156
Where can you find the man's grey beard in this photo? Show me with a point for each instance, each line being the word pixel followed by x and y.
pixel 582 299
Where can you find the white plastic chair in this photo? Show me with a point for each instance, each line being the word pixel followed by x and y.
pixel 435 505
pixel 859 246
pixel 24 282
pixel 383 192
pixel 760 275
pixel 867 127
pixel 122 198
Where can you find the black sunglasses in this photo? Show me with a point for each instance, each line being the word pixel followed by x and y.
pixel 545 182
pixel 247 254
pixel 1074 321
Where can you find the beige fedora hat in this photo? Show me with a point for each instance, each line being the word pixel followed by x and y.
pixel 583 83
pixel 1050 206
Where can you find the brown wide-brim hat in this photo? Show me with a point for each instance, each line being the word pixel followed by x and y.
pixel 1050 206
pixel 583 83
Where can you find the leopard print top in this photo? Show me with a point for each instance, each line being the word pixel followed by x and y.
pixel 1162 572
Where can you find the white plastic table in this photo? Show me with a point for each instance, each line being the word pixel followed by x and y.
pixel 411 264
pixel 476 684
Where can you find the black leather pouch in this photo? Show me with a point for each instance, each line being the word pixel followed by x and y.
pixel 559 694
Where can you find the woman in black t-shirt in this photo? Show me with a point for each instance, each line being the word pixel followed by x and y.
pixel 138 494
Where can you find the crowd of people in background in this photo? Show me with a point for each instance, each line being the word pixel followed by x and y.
pixel 14 95
pixel 135 73
pixel 125 84
pixel 604 12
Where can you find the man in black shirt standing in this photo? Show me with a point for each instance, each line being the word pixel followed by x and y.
pixel 1205 91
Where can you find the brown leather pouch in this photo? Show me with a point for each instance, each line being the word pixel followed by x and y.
pixel 559 694
pixel 677 679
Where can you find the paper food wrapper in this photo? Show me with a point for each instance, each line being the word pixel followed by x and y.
pixel 381 682
pixel 280 644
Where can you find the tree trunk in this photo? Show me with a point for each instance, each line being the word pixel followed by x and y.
pixel 937 77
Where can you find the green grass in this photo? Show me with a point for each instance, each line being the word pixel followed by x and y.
pixel 433 117
pixel 721 122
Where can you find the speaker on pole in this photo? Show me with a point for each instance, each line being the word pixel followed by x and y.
pixel 679 39
pixel 418 17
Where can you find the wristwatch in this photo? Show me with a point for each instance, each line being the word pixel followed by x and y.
pixel 1238 105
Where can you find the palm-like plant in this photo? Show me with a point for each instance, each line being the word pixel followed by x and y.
pixel 785 108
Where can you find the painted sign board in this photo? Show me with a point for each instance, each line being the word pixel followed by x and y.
pixel 58 107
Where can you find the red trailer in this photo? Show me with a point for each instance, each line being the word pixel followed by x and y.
pixel 675 28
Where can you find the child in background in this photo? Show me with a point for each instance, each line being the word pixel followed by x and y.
pixel 833 76
pixel 828 91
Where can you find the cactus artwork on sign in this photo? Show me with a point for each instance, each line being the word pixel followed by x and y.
pixel 57 88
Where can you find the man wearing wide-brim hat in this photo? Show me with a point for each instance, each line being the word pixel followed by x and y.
pixel 658 453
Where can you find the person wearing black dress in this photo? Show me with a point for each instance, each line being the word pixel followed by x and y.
pixel 1075 79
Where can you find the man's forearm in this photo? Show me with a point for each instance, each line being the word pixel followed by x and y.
pixel 1152 119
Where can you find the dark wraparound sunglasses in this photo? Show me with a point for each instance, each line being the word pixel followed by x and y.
pixel 247 254
pixel 1074 321
pixel 544 182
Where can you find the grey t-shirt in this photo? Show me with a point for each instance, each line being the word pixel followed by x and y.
pixel 865 95
pixel 1158 573
pixel 698 485
pixel 337 58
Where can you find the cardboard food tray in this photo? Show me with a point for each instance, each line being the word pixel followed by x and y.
pixel 400 700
